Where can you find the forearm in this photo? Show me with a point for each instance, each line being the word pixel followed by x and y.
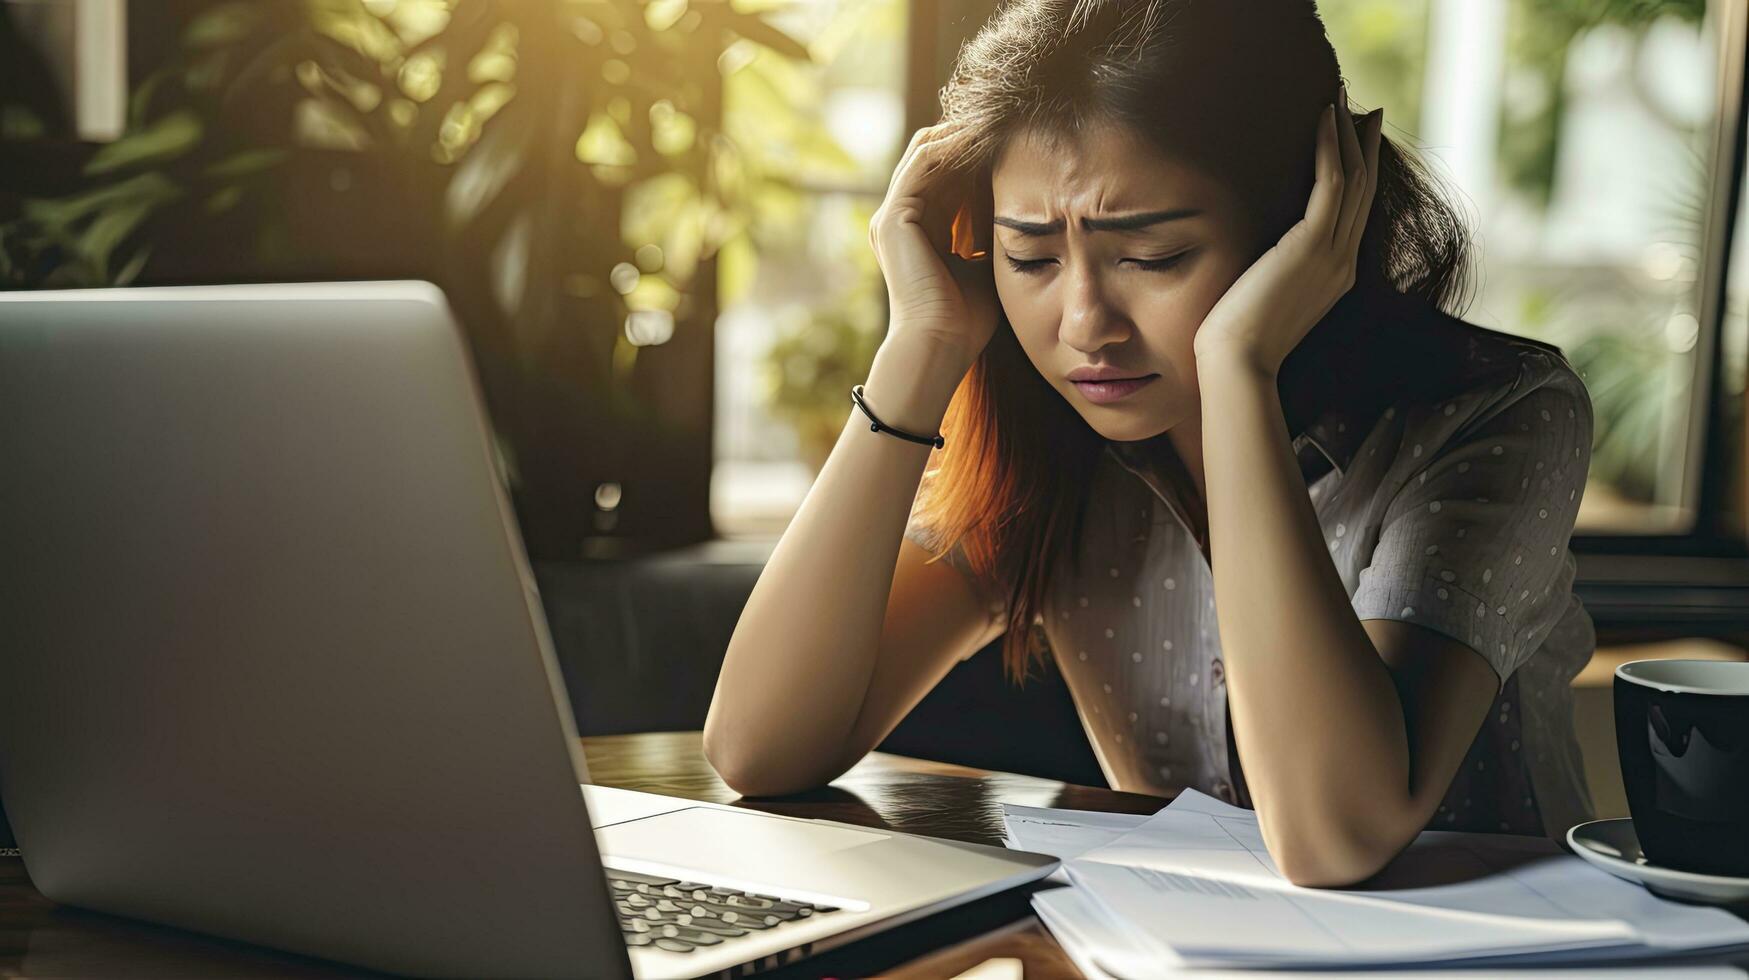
pixel 799 663
pixel 1317 719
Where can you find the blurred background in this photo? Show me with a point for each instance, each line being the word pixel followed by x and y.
pixel 651 216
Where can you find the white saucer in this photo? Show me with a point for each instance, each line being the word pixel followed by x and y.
pixel 1612 846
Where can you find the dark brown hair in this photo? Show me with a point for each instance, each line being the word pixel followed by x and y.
pixel 1234 87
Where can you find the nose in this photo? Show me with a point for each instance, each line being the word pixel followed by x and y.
pixel 1090 321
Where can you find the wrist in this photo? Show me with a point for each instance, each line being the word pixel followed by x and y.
pixel 946 355
pixel 911 383
pixel 877 424
pixel 1223 364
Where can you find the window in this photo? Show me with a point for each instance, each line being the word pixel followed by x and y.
pixel 1733 434
pixel 1584 138
pixel 80 49
pixel 559 169
pixel 1595 144
pixel 803 304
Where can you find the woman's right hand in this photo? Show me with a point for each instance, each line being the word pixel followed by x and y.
pixel 933 294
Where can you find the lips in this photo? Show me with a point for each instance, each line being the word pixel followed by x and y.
pixel 1104 373
pixel 1105 391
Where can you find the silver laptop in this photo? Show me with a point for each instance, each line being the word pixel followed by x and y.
pixel 275 667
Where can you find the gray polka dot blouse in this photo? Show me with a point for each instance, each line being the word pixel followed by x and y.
pixel 1454 515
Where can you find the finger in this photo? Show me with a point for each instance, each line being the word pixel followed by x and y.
pixel 1353 169
pixel 1325 205
pixel 922 175
pixel 913 255
pixel 915 158
pixel 936 179
pixel 1345 131
pixel 923 137
pixel 910 148
pixel 925 197
pixel 1373 131
pixel 917 139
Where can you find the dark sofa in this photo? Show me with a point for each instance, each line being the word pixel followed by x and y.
pixel 640 643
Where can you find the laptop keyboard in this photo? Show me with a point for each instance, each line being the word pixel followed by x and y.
pixel 680 916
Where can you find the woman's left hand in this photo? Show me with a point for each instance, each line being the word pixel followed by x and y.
pixel 1272 307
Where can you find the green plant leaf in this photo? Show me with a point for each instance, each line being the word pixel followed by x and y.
pixel 61 213
pixel 760 32
pixel 220 25
pixel 126 275
pixel 166 139
pixel 483 174
pixel 245 163
pixel 108 230
pixel 140 100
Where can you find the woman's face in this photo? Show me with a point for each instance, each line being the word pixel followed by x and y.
pixel 1108 255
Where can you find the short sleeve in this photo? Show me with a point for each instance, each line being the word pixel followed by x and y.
pixel 1474 544
pixel 989 592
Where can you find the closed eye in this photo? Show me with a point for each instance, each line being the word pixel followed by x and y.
pixel 1026 265
pixel 1168 262
pixel 1148 265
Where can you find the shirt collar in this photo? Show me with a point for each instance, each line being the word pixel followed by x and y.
pixel 1329 443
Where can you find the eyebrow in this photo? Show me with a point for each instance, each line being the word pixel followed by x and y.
pixel 1121 222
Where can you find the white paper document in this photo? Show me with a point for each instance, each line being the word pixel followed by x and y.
pixel 1063 833
pixel 1103 950
pixel 1099 945
pixel 1193 886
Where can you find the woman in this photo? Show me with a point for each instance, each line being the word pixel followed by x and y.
pixel 1215 318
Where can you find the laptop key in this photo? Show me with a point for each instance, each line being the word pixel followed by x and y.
pixel 717 929
pixel 697 937
pixel 754 902
pixel 744 921
pixel 682 915
pixel 633 877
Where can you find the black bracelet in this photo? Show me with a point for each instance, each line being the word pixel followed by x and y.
pixel 879 426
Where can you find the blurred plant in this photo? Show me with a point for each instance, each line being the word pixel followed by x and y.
pixel 1615 333
pixel 421 82
pixel 30 100
pixel 1627 374
pixel 809 370
pixel 1383 48
pixel 1540 38
pixel 560 167
pixel 810 231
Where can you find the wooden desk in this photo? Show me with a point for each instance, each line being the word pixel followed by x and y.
pixel 40 939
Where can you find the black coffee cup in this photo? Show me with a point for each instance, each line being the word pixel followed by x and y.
pixel 1682 728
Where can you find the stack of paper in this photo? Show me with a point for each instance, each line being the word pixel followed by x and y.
pixel 1193 888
